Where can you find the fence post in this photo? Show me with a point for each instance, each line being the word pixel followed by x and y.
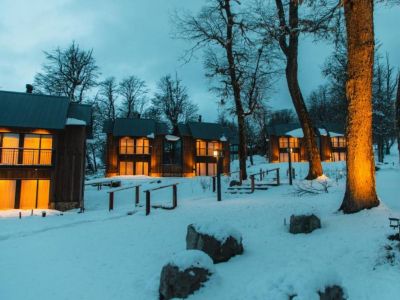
pixel 213 184
pixel 278 180
pixel 111 202
pixel 261 175
pixel 147 203
pixel 137 195
pixel 174 196
pixel 252 183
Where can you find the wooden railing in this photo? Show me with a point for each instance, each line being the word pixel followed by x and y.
pixel 174 197
pixel 112 191
pixel 26 156
pixel 103 182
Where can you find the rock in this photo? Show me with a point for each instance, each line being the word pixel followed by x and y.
pixel 218 241
pixel 185 274
pixel 234 183
pixel 304 223
pixel 334 292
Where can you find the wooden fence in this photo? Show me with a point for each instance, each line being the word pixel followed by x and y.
pixel 174 197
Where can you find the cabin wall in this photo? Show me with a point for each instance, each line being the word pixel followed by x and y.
pixel 157 156
pixel 69 168
pixel 303 150
pixel 188 154
pixel 112 155
pixel 325 148
pixel 273 148
pixel 226 165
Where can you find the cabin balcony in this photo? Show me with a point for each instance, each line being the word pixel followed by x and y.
pixel 23 157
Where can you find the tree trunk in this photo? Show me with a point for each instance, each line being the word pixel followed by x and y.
pixel 236 90
pixel 314 160
pixel 360 182
pixel 398 114
pixel 380 149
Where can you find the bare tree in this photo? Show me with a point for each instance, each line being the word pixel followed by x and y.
pixel 283 116
pixel 285 24
pixel 360 182
pixel 67 72
pixel 107 98
pixel 234 59
pixel 383 121
pixel 172 101
pixel 398 114
pixel 133 92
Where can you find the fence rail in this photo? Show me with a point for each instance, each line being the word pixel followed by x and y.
pixel 174 197
pixel 112 191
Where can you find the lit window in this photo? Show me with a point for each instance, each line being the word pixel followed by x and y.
pixel 291 142
pixel 126 146
pixel 9 148
pixel 142 146
pixel 37 149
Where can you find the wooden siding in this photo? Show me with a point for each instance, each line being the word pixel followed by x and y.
pixel 70 168
pixel 112 156
pixel 189 152
pixel 157 147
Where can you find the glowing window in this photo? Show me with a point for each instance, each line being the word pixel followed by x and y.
pixel 9 151
pixel 7 195
pixel 126 145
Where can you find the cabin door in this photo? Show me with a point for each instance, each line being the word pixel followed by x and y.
pixel 7 195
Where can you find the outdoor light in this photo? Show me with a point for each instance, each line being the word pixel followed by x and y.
pixel 215 153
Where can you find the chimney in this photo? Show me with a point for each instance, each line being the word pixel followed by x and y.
pixel 29 88
pixel 199 118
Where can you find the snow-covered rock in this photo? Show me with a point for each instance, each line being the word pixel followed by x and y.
pixel 220 242
pixel 332 293
pixel 304 223
pixel 184 274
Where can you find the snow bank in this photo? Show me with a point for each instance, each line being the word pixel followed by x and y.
pixel 220 231
pixel 192 258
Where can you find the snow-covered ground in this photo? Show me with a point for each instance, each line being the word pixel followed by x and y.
pixel 113 255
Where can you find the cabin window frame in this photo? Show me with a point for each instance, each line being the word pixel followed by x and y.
pixel 134 148
pixel 207 150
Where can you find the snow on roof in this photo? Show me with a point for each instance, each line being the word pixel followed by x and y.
pixel 217 230
pixel 298 133
pixel 151 135
pixel 192 258
pixel 76 122
pixel 172 138
pixel 333 134
pixel 223 138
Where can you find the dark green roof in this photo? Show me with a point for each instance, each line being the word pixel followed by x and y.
pixel 134 127
pixel 202 130
pixel 23 110
pixel 81 112
pixel 232 135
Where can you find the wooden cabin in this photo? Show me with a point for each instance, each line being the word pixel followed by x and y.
pixel 138 146
pixel 42 151
pixel 134 147
pixel 330 140
pixel 199 141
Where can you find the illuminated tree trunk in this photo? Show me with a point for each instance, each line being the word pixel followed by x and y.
pixel 360 185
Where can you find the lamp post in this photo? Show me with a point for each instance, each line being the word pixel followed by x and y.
pixel 289 150
pixel 218 154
